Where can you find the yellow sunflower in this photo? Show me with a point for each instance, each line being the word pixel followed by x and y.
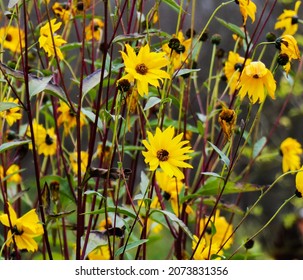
pixel 167 151
pixel 144 68
pixel 233 68
pixel 47 36
pixel 73 161
pixel 13 114
pixel 222 233
pixel 68 118
pixel 180 51
pixel 94 30
pixel 291 151
pixel 299 181
pixel 23 230
pixel 254 79
pixel 12 38
pixel 204 251
pixel 288 20
pixel 12 174
pixel 63 11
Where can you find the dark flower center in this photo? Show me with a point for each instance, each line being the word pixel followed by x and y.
pixel 256 76
pixel 162 155
pixel 16 231
pixel 72 114
pixel 49 140
pixel 8 38
pixel 283 59
pixel 180 49
pixel 124 85
pixel 141 69
pixel 238 67
pixel 294 20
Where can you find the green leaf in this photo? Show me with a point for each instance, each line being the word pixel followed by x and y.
pixel 53 89
pixel 174 219
pixel 223 157
pixel 151 102
pixel 92 80
pixel 130 246
pixel 234 28
pixel 12 3
pixel 91 116
pixel 258 146
pixel 128 37
pixel 11 145
pixel 185 71
pixel 38 85
pixel 113 209
pixel 173 5
pixel 8 105
pixel 214 185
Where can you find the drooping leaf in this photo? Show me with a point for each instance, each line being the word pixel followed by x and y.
pixel 92 80
pixel 151 102
pixel 130 246
pixel 174 219
pixel 118 209
pixel 51 88
pixel 185 71
pixel 11 145
pixel 234 28
pixel 128 37
pixel 38 85
pixel 91 116
pixel 8 105
pixel 223 157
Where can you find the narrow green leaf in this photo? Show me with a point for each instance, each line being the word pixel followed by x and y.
pixel 185 71
pixel 258 146
pixel 128 37
pixel 91 116
pixel 151 102
pixel 212 174
pixel 223 157
pixel 234 28
pixel 7 105
pixel 118 209
pixel 173 5
pixel 130 246
pixel 11 145
pixel 174 219
pixel 214 185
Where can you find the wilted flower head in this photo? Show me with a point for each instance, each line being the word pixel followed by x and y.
pixel 288 20
pixel 49 41
pixel 254 80
pixel 248 9
pixel 233 68
pixel 291 151
pixel 94 30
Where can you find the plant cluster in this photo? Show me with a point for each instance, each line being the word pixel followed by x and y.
pixel 118 141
